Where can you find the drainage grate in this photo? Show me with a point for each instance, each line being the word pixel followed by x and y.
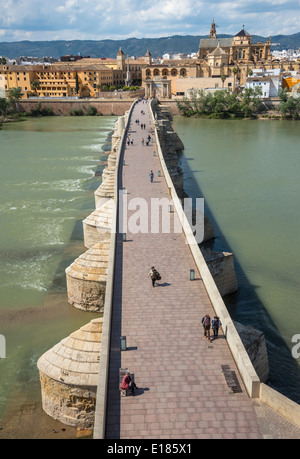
pixel 231 379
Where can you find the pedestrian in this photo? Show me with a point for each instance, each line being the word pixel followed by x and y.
pixel 151 175
pixel 154 275
pixel 206 326
pixel 128 383
pixel 131 141
pixel 216 324
pixel 142 141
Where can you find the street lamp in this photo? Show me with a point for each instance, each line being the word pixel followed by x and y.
pixel 123 343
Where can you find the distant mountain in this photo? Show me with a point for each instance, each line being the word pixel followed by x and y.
pixel 132 46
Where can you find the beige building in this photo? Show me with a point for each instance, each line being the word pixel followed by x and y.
pixel 83 78
pixel 185 86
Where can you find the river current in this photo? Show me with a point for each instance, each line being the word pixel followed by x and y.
pixel 247 172
pixel 49 172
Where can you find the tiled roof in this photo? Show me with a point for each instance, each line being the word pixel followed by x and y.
pixel 213 42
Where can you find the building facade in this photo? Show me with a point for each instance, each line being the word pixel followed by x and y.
pixel 226 60
pixel 81 78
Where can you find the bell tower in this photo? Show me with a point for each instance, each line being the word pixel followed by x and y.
pixel 212 33
pixel 121 59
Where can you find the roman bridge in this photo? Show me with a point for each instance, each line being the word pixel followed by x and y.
pixel 183 389
pixel 189 387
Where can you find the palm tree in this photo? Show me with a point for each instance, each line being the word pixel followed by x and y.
pixel 223 78
pixel 234 71
pixel 35 86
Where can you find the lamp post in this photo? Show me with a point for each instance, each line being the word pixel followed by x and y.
pixel 123 343
pixel 192 274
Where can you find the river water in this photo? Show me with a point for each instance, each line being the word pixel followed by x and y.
pixel 48 176
pixel 248 174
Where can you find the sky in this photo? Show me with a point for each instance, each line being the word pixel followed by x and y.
pixel 43 20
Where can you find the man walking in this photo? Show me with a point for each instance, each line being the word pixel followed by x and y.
pixel 151 175
pixel 206 326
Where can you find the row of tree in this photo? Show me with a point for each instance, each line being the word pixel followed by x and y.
pixel 221 104
pixel 226 104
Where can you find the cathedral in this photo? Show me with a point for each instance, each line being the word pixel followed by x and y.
pixel 221 62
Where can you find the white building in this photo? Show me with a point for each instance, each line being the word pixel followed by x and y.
pixel 269 81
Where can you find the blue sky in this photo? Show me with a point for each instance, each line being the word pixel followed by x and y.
pixel 111 19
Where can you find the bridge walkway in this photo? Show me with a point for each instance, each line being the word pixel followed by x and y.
pixel 182 392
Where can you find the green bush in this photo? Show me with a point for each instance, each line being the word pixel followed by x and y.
pixel 289 106
pixel 76 112
pixel 91 111
pixel 39 111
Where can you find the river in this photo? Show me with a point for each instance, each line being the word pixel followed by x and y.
pixel 248 174
pixel 47 186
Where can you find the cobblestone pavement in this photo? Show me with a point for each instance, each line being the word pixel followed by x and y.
pixel 274 426
pixel 182 389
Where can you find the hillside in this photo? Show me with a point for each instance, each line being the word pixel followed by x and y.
pixel 132 46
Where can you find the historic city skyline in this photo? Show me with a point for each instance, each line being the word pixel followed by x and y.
pixel 85 20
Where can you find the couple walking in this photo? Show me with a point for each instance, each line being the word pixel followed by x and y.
pixel 215 323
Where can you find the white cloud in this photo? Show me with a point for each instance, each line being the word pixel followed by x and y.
pixel 99 19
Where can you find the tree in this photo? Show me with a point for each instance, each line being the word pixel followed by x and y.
pixel 3 106
pixel 250 101
pixel 289 106
pixel 35 86
pixel 223 78
pixel 14 95
pixel 76 83
pixel 234 71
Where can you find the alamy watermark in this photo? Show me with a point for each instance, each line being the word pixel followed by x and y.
pixel 158 215
pixel 296 348
pixel 2 347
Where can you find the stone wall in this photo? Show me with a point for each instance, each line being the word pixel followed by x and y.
pixel 221 266
pixel 71 405
pixel 115 107
pixel 255 345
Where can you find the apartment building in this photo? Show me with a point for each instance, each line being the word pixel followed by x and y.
pixel 82 78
